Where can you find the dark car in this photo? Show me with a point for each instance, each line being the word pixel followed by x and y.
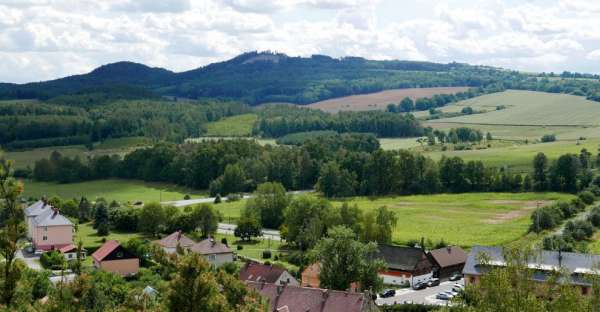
pixel 455 277
pixel 388 293
pixel 419 286
pixel 433 282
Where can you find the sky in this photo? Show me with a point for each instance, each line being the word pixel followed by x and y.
pixel 47 39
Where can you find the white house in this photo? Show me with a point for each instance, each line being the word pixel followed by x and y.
pixel 215 253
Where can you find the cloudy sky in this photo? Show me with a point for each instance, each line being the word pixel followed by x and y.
pixel 45 39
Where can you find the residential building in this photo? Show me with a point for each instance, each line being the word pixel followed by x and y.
pixel 70 252
pixel 447 261
pixel 215 253
pixel 257 272
pixel 112 257
pixel 169 243
pixel 405 264
pixel 50 230
pixel 33 211
pixel 302 299
pixel 577 266
pixel 310 275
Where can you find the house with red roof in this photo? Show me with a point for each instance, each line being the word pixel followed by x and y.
pixel 112 257
pixel 303 299
pixel 258 272
pixel 448 261
pixel 169 243
pixel 70 252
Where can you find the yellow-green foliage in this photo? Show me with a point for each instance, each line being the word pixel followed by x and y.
pixel 235 126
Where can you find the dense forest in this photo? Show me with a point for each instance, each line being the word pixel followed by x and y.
pixel 257 78
pixel 338 165
pixel 28 124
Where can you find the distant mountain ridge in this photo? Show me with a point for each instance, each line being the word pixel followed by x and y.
pixel 259 77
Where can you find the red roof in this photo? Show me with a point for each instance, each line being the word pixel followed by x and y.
pixel 257 272
pixel 68 248
pixel 105 250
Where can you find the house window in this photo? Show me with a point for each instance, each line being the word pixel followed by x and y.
pixel 212 257
pixel 45 237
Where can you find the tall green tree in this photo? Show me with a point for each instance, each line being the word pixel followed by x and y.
pixel 101 222
pixel 344 260
pixel 12 229
pixel 540 167
pixel 268 203
pixel 152 219
pixel 378 225
pixel 207 219
pixel 306 220
pixel 335 181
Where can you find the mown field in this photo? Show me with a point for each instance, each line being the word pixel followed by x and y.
pixel 527 114
pixel 235 126
pixel 119 146
pixel 380 100
pixel 111 189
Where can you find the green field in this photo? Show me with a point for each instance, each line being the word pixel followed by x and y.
pixel 111 189
pixel 527 114
pixel 235 126
pixel 398 143
pixel 87 234
pixel 109 147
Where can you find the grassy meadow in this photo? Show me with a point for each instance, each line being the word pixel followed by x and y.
pixel 111 189
pixel 234 126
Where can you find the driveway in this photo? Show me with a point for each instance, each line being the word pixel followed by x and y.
pixel 424 296
pixel 31 260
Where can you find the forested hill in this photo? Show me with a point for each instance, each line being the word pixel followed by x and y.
pixel 261 77
pixel 257 78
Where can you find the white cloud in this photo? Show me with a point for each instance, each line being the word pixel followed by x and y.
pixel 43 39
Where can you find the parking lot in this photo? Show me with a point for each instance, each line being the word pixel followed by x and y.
pixel 424 296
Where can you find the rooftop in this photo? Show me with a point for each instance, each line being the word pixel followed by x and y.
pixel 37 208
pixel 51 217
pixel 209 247
pixel 257 272
pixel 174 239
pixel 449 256
pixel 400 257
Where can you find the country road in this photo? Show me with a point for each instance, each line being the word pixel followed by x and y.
pixel 208 200
pixel 227 228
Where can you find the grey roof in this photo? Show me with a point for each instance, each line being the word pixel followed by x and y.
pixel 543 262
pixel 51 218
pixel 37 208
pixel 401 258
pixel 209 247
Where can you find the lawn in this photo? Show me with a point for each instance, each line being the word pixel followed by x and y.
pixel 111 189
pixel 235 126
pixel 87 234
pixel 398 143
pixel 462 219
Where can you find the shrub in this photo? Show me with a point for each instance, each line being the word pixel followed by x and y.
pixel 548 138
pixel 186 197
pixel 233 197
pixel 579 230
pixel 586 197
pixel 545 218
pixel 218 199
pixel 52 260
pixel 224 241
pixel 266 254
pixel 240 247
pixel 594 216
pixel 578 204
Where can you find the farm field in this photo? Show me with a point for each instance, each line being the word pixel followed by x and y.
pixel 398 143
pixel 235 126
pixel 519 157
pixel 111 189
pixel 379 100
pixel 528 114
pixel 258 140
pixel 461 219
pixel 119 146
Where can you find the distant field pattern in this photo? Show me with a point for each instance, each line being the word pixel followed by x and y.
pixel 380 100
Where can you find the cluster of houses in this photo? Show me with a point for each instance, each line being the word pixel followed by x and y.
pixel 49 230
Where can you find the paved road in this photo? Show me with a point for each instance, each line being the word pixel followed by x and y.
pixel 424 296
pixel 208 200
pixel 227 228
pixel 31 261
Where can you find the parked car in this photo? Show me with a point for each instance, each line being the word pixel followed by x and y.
pixel 433 282
pixel 443 296
pixel 456 277
pixel 458 288
pixel 419 286
pixel 388 293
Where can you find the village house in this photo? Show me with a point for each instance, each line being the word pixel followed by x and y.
pixel 577 266
pixel 70 252
pixel 169 243
pixel 302 299
pixel 112 257
pixel 310 275
pixel 405 265
pixel 257 272
pixel 47 228
pixel 447 261
pixel 215 253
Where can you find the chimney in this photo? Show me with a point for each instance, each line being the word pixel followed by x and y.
pixel 212 242
pixel 179 235
pixel 423 243
pixel 559 258
pixel 449 249
pixel 55 212
pixel 45 201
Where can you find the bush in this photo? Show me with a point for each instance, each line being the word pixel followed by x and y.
pixel 594 216
pixel 240 247
pixel 186 197
pixel 218 199
pixel 233 197
pixel 547 217
pixel 587 197
pixel 224 241
pixel 579 230
pixel 266 254
pixel 548 138
pixel 52 260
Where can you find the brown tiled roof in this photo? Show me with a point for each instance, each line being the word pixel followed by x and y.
pixel 105 250
pixel 449 256
pixel 257 272
pixel 209 246
pixel 303 299
pixel 176 238
pixel 67 248
pixel 400 257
